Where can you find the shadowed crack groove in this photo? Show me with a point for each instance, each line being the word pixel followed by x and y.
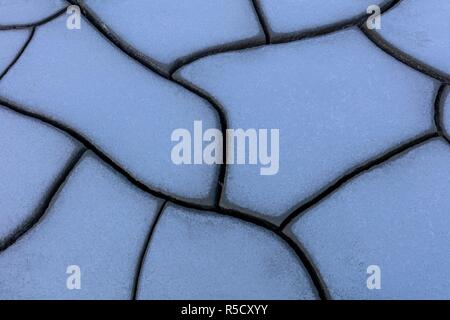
pixel 439 103
pixel 356 172
pixel 46 202
pixel 36 23
pixel 404 57
pixel 223 125
pixel 262 20
pixel 233 46
pixel 438 108
pixel 19 54
pixel 299 250
pixel 144 251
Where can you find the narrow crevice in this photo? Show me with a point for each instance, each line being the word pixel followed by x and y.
pixel 404 57
pixel 36 23
pixel 144 251
pixel 301 253
pixel 306 260
pixel 262 20
pixel 19 54
pixel 152 66
pixel 233 46
pixel 438 108
pixel 46 202
pixel 223 126
pixel 356 172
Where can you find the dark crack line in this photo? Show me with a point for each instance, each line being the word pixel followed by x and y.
pixel 34 24
pixel 262 20
pixel 354 173
pixel 404 57
pixel 19 54
pixel 438 109
pixel 46 202
pixel 144 251
pixel 299 250
pixel 116 40
pixel 306 260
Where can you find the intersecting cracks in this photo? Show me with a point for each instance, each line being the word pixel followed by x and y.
pixel 276 37
pixel 46 202
pixel 262 20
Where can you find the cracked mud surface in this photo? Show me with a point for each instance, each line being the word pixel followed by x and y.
pixel 86 176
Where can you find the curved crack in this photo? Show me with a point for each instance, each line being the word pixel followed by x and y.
pixel 356 172
pixel 441 100
pixel 438 108
pixel 144 251
pixel 152 66
pixel 262 20
pixel 284 37
pixel 19 54
pixel 300 252
pixel 46 202
pixel 89 145
pixel 277 38
pixel 233 46
pixel 36 23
